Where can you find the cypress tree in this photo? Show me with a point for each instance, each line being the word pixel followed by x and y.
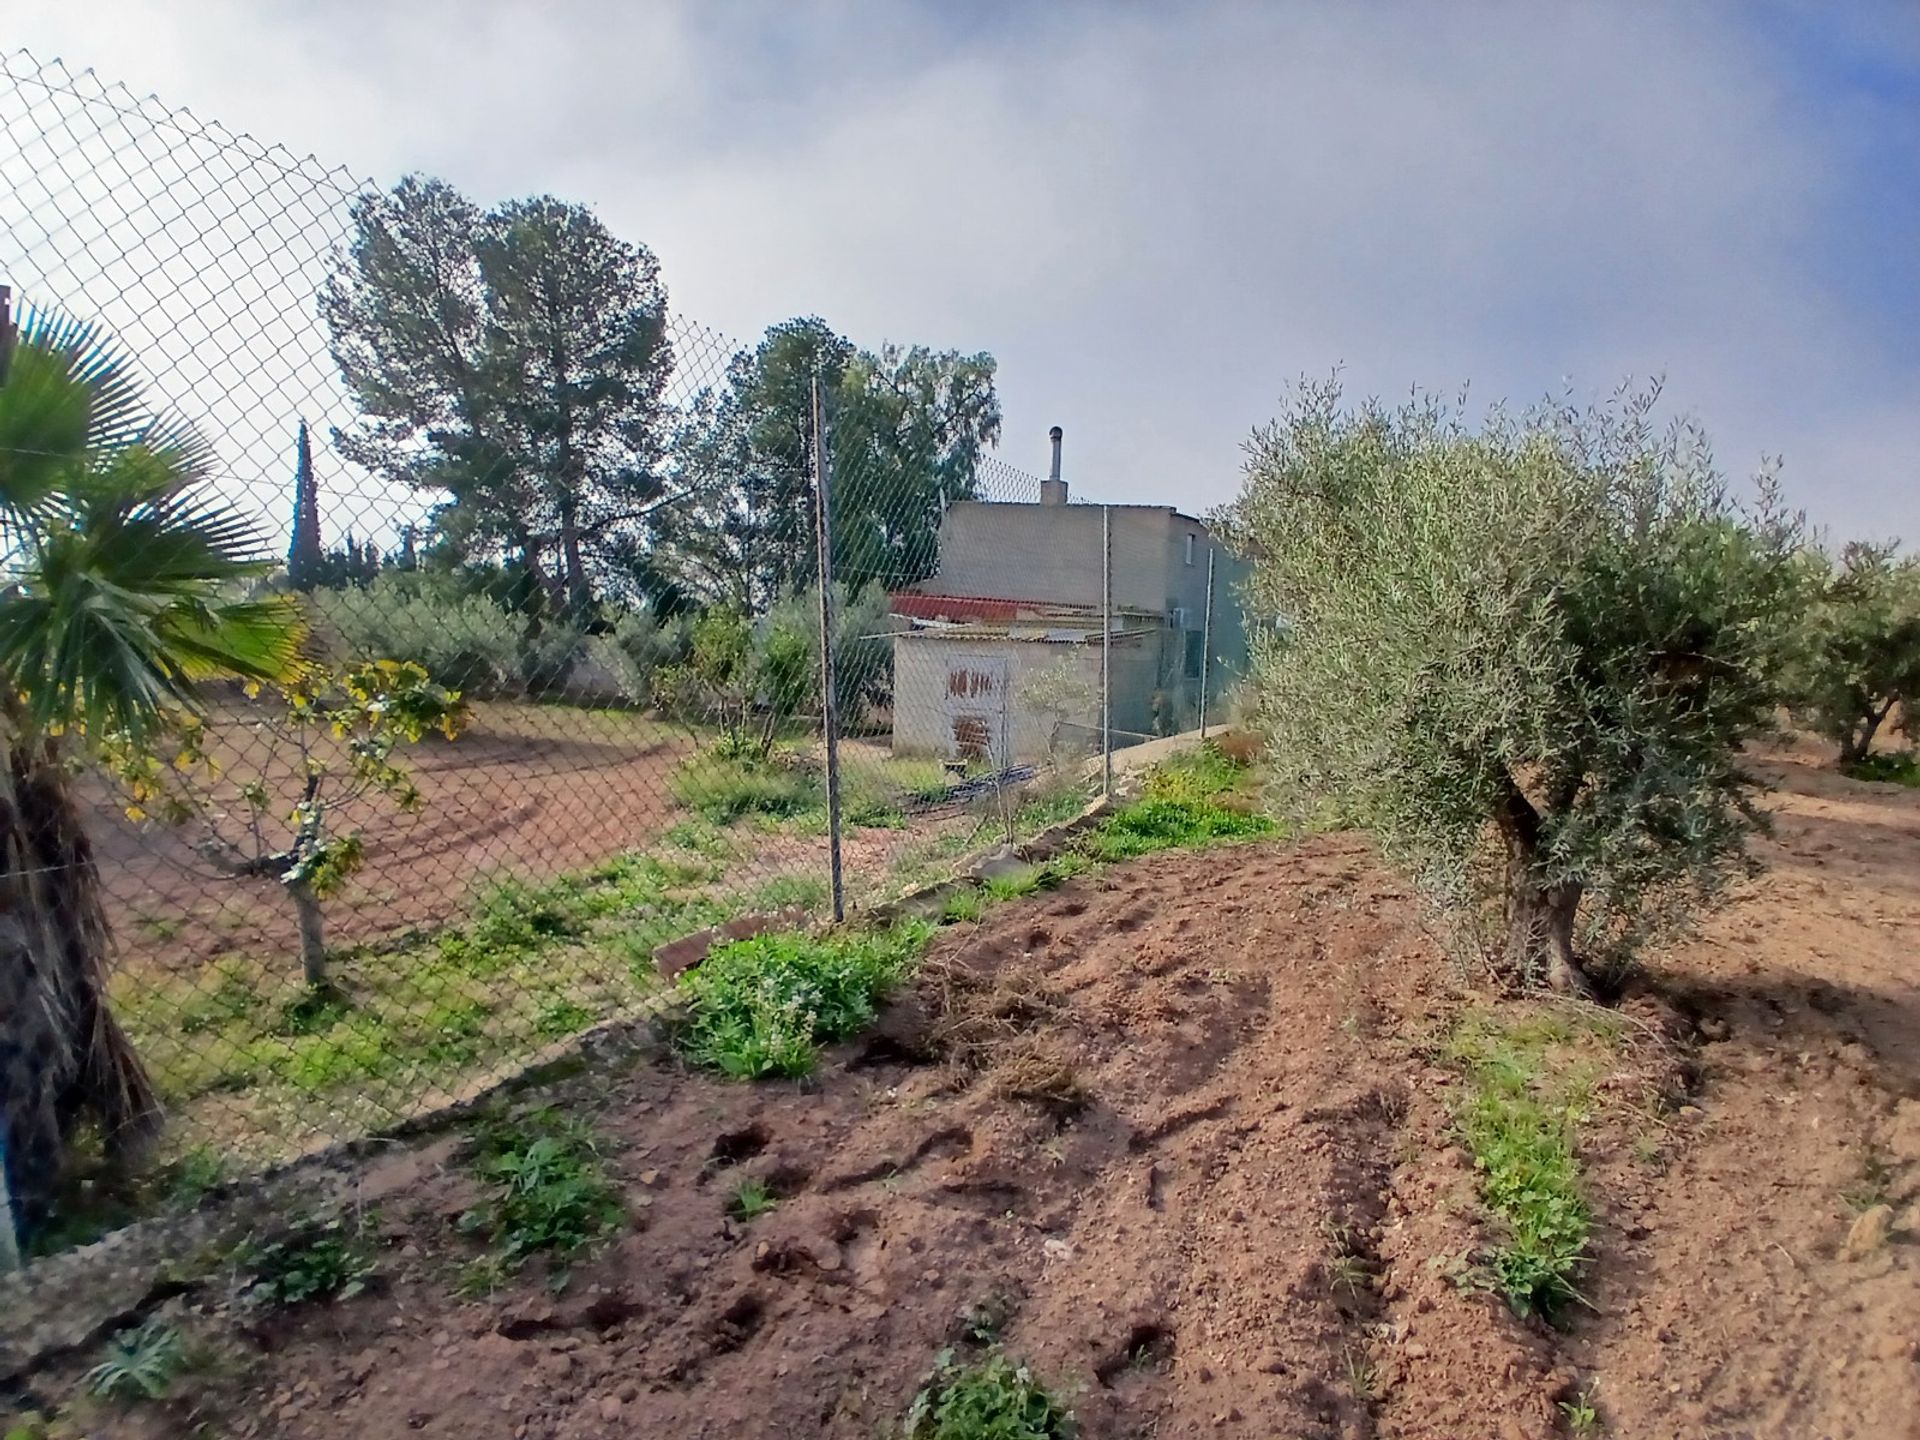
pixel 304 556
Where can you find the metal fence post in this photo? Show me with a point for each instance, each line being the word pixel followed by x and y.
pixel 829 703
pixel 1206 641
pixel 1106 650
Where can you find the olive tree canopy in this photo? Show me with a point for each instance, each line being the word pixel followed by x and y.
pixel 1527 652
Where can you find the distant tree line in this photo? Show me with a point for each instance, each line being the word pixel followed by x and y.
pixel 516 364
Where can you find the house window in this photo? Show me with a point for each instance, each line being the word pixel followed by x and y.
pixel 1196 653
pixel 1189 547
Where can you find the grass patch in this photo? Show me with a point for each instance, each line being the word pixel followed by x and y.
pixel 1892 767
pixel 1529 1085
pixel 963 906
pixel 764 1006
pixel 548 1195
pixel 245 1054
pixel 992 1399
pixel 803 892
pixel 319 1258
pixel 721 789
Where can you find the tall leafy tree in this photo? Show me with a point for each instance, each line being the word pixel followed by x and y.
pixel 516 359
pixel 906 428
pixel 124 596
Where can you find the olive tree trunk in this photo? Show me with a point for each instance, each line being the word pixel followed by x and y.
pixel 1540 916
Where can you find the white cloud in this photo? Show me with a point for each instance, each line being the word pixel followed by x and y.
pixel 1158 216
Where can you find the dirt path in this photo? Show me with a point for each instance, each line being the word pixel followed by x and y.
pixel 1205 1079
pixel 1729 1309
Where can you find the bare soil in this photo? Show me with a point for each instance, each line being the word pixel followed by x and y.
pixel 533 791
pixel 1131 1117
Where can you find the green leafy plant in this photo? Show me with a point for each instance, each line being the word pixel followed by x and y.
pixel 140 1364
pixel 1527 652
pixel 1889 767
pixel 1522 1146
pixel 318 1258
pixel 752 1199
pixel 963 906
pixel 1583 1419
pixel 764 1006
pixel 993 1399
pixel 548 1194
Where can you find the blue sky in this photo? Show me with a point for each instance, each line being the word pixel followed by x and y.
pixel 1158 216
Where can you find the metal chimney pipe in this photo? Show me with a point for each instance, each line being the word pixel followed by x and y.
pixel 1053 490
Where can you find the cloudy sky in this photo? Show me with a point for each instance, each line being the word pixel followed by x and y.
pixel 1157 215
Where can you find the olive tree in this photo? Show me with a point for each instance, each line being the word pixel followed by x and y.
pixel 1527 653
pixel 1860 656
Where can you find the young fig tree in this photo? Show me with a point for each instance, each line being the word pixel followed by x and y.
pixel 1528 653
pixel 312 752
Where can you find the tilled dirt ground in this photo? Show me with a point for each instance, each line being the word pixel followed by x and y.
pixel 1126 1121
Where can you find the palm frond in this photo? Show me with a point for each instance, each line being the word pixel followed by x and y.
pixel 252 639
pixel 68 396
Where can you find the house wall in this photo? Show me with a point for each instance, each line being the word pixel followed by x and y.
pixel 923 707
pixel 1052 553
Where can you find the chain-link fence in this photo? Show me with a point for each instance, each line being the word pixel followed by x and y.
pixel 553 559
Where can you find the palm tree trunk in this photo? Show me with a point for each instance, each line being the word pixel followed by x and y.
pixel 66 1058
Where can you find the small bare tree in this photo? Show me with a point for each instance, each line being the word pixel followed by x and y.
pixel 316 748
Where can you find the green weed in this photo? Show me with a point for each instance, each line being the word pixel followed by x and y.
pixel 701 837
pixel 1894 767
pixel 548 1194
pixel 1523 1101
pixel 317 1259
pixel 1362 1378
pixel 1189 800
pixel 560 1016
pixel 764 1006
pixel 1583 1420
pixel 752 1199
pixel 1873 1185
pixel 140 1364
pixel 994 1399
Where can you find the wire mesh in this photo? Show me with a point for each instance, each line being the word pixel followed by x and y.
pixel 555 551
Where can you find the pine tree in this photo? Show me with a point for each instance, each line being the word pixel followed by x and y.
pixel 304 555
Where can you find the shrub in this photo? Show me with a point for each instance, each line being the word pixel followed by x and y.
pixel 463 641
pixel 1528 654
pixel 764 1006
pixel 638 649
